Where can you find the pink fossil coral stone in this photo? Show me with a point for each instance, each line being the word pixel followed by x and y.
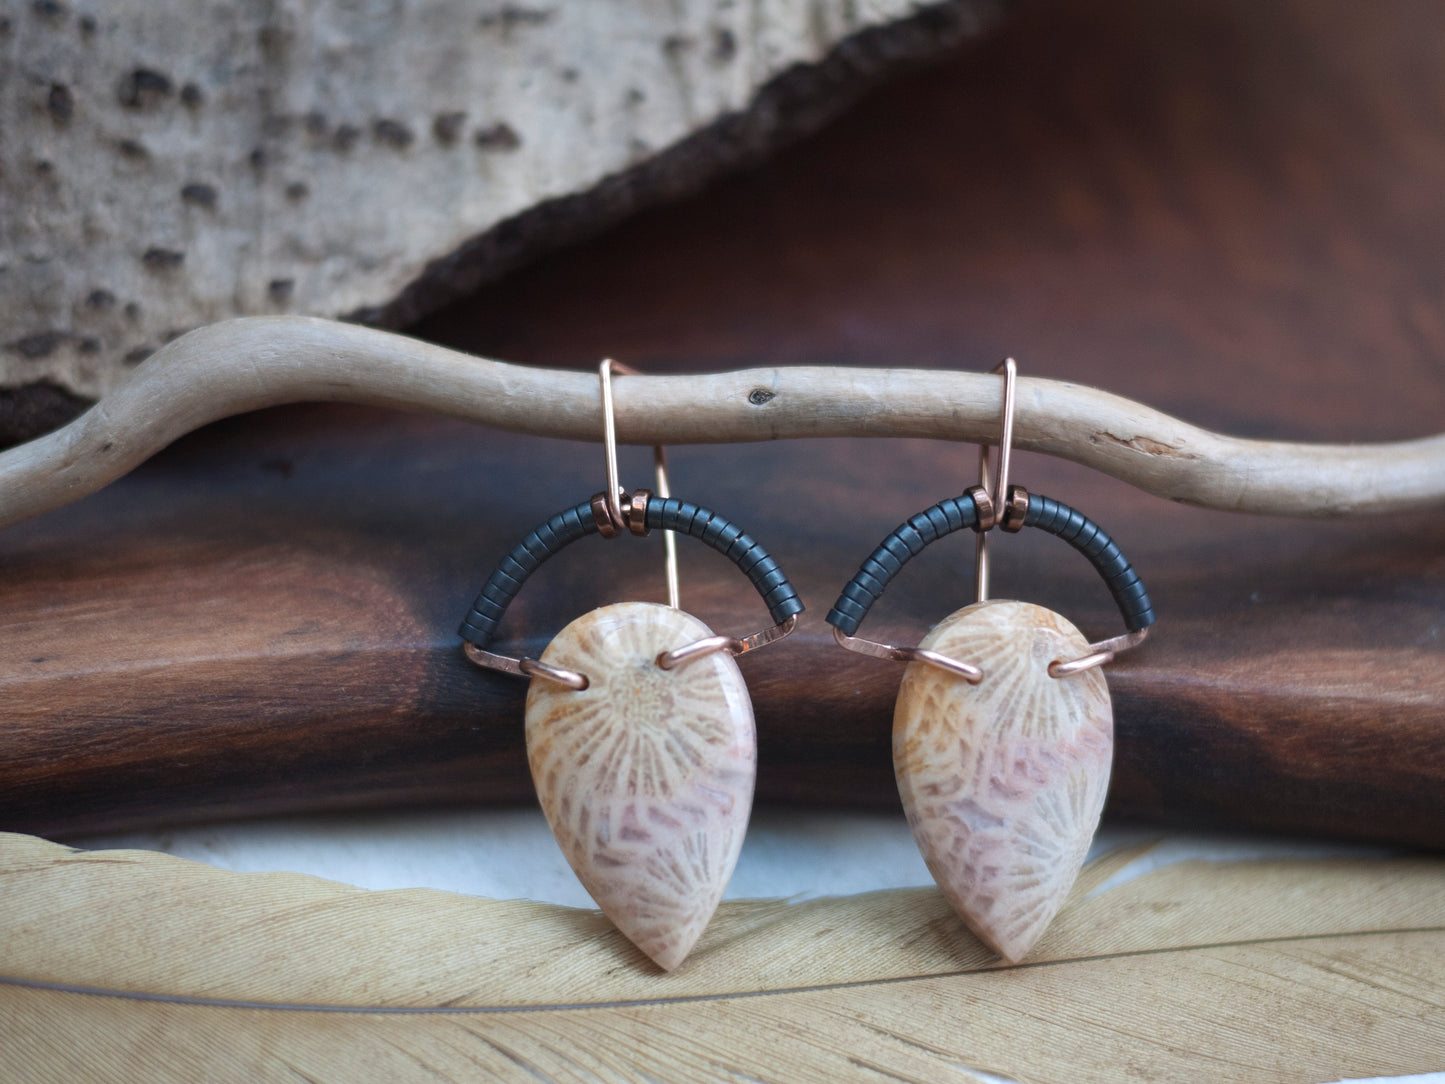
pixel 1003 782
pixel 646 776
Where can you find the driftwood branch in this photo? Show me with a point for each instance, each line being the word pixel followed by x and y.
pixel 247 364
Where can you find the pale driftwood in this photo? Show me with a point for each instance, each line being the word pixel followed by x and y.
pixel 247 364
pixel 167 167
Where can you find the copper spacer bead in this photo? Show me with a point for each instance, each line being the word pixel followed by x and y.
pixel 1015 509
pixel 634 511
pixel 603 516
pixel 984 503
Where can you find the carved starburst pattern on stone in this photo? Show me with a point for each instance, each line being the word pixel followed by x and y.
pixel 1004 782
pixel 646 776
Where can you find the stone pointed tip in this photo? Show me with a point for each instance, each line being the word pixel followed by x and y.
pixel 670 957
pixel 1014 954
pixel 1011 951
pixel 666 949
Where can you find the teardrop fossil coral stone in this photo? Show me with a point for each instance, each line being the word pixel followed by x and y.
pixel 646 776
pixel 1003 782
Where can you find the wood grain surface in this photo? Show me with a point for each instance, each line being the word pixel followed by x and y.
pixel 1228 212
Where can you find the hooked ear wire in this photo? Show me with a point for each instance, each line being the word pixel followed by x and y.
pixel 632 515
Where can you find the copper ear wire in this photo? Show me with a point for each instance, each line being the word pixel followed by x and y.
pixel 631 517
pixel 999 498
pixel 987 503
pixel 1006 507
pixel 988 506
pixel 612 518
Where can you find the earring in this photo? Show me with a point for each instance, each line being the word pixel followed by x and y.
pixel 1002 761
pixel 640 732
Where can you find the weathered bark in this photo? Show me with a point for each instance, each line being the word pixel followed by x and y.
pixel 170 164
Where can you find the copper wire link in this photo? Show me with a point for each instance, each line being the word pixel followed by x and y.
pixel 525 667
pixel 1100 652
pixel 734 646
pixel 896 653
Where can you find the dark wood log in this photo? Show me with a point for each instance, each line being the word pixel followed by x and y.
pixel 1227 212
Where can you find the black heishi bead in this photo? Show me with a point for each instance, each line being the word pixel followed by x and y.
pixel 750 557
pixel 1134 590
pixel 535 547
pixel 1071 524
pixel 498 593
pixel 868 583
pixel 726 537
pixel 1108 557
pixel 777 601
pixel 766 566
pixel 912 539
pixel 885 559
pixel 677 517
pixel 785 609
pixel 924 526
pixel 1122 578
pixel 513 568
pixel 774 577
pixel 500 577
pixel 477 633
pixel 742 544
pixel 1087 533
pixel 487 608
pixel 877 571
pixel 524 559
pixel 898 548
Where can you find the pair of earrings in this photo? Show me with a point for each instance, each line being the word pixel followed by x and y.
pixel 643 750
